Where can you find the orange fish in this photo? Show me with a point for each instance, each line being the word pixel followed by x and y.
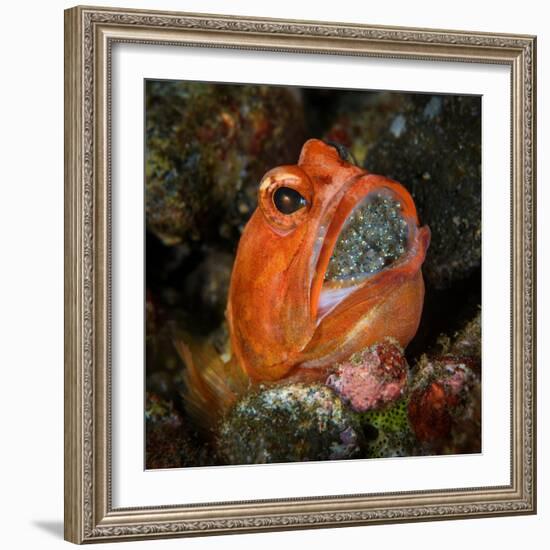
pixel 328 264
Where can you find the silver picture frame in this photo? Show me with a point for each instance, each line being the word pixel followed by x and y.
pixel 90 34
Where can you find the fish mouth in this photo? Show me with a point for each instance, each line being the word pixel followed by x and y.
pixel 368 235
pixel 372 238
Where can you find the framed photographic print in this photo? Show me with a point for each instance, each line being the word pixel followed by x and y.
pixel 299 274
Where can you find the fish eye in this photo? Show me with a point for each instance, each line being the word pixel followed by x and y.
pixel 288 200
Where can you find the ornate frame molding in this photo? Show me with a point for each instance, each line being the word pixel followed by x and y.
pixel 89 34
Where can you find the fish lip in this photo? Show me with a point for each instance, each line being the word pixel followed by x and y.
pixel 329 234
pixel 331 222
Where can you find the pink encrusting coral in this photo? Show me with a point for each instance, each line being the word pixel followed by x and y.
pixel 371 378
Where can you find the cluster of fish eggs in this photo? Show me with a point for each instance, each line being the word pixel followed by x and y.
pixel 375 235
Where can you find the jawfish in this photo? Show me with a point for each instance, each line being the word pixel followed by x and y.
pixel 328 264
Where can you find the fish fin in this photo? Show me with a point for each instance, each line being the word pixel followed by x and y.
pixel 212 386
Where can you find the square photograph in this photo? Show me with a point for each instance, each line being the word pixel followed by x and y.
pixel 313 274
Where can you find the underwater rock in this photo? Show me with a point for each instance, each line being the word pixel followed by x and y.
pixel 360 118
pixel 289 423
pixel 388 431
pixel 445 405
pixel 150 314
pixel 188 285
pixel 467 341
pixel 371 378
pixel 432 145
pixel 159 333
pixel 464 343
pixel 207 145
pixel 445 400
pixel 205 289
pixel 168 445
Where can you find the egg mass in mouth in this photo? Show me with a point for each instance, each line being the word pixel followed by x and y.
pixel 373 237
